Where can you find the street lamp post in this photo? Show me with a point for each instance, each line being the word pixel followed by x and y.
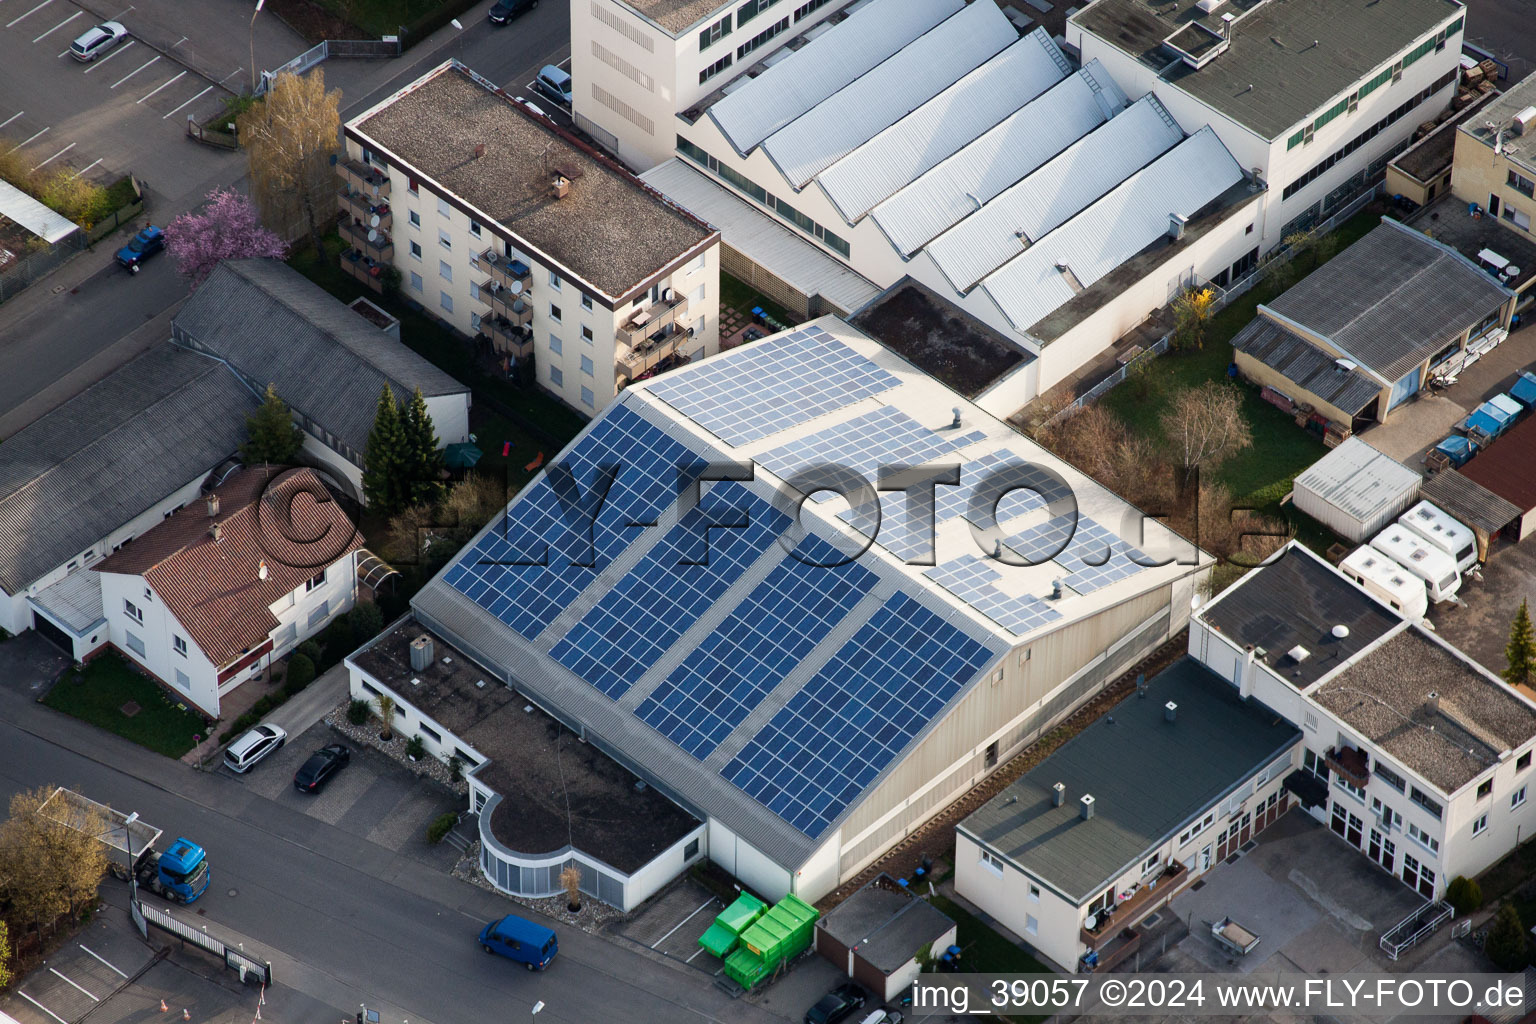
pixel 133 875
pixel 253 44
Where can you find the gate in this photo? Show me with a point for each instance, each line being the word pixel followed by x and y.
pixel 235 959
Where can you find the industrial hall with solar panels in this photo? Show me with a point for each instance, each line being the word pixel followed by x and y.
pixel 786 709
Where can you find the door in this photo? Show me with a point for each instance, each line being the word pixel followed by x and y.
pixel 1205 859
pixel 1493 205
pixel 1388 854
pixel 1404 389
pixel 53 634
pixel 1352 834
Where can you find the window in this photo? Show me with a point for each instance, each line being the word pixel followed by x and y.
pixel 416 251
pixel 1517 798
pixel 474 227
pixel 554 280
pixel 992 862
pixel 314 582
pixel 135 644
pixel 782 25
pixel 179 645
pixel 443 239
pixel 416 281
pixel 587 398
pixel 714 33
pixel 1031 926
pixel 1423 838
pixel 554 312
pixel 1314 764
pixel 1151 864
pixel 744 183
pixel 414 218
pixel 444 271
pixel 691 850
pixel 586 365
pixel 133 611
pixel 1518 218
pixel 1197 828
pixel 1350 788
pixel 715 68
pixel 1423 799
pixel 1485 788
pixel 370 689
pixel 1034 892
pixel 586 301
pixel 183 680
pixel 474 293
pixel 692 152
pixel 1480 824
pixel 1388 776
pixel 556 376
pixel 443 209
pixel 431 733
pixel 807 8
pixel 586 333
pixel 319 614
pixel 446 301
pixel 556 345
pixel 412 186
pixel 751 9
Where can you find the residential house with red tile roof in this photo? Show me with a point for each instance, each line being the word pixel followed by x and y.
pixel 211 596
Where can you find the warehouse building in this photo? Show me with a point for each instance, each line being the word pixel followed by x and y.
pixel 1355 490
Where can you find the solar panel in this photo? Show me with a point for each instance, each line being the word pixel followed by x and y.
pixel 972 579
pixel 1006 471
pixel 881 438
pixel 634 624
pixel 541 526
pixel 773 385
pixel 1092 555
pixel 718 684
pixel 861 709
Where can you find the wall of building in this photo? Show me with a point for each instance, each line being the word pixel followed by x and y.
pixel 905 976
pixel 192 674
pixel 1260 374
pixel 1040 915
pixel 450 418
pixel 755 870
pixel 346 473
pixel 410 720
pixel 1478 174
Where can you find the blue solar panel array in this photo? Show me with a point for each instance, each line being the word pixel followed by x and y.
pixel 1016 471
pixel 719 683
pixel 540 527
pixel 882 438
pixel 973 579
pixel 625 633
pixel 1093 555
pixel 835 736
pixel 773 385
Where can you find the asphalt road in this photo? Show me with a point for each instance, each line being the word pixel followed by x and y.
pixel 342 920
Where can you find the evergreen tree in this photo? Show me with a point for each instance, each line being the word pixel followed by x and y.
pixel 424 461
pixel 1505 944
pixel 385 463
pixel 1521 649
pixel 272 437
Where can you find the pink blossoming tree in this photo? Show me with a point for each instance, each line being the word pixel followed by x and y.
pixel 226 228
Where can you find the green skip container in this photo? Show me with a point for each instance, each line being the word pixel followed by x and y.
pixel 722 936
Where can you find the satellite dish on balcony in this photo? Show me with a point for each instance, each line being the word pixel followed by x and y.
pixel 375 191
pixel 519 306
pixel 372 235
pixel 373 221
pixel 1091 921
pixel 515 287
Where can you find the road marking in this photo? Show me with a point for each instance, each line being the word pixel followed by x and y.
pixel 11 118
pixel 40 1006
pixel 34 10
pixel 684 921
pixel 87 167
pixel 82 945
pixel 114 53
pixel 20 144
pixel 55 156
pixel 162 85
pixel 695 953
pixel 124 11
pixel 55 970
pixel 192 100
pixel 135 71
pixel 232 74
pixel 178 42
pixel 60 25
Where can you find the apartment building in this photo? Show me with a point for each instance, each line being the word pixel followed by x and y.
pixel 637 63
pixel 562 264
pixel 1312 96
pixel 1494 164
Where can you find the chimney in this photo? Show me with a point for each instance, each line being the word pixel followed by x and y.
pixel 1085 807
pixel 1245 681
pixel 261 569
pixel 561 186
pixel 216 531
pixel 479 150
pixel 1170 711
pixel 421 653
pixel 1058 795
pixel 213 505
pixel 1176 226
pixel 1432 700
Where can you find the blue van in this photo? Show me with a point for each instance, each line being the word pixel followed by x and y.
pixel 520 940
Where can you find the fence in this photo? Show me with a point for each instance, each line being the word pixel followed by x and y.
pixel 34 267
pixel 1416 927
pixel 210 137
pixel 300 64
pixel 235 959
pixel 120 216
pixel 389 46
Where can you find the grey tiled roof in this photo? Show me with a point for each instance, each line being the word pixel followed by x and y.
pixel 1392 299
pixel 111 452
pixel 1306 365
pixel 1148 777
pixel 275 326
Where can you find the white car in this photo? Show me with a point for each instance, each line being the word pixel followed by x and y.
pixel 242 755
pixel 97 41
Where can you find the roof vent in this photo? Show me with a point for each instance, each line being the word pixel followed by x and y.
pixel 1432 700
pixel 1299 654
pixel 1345 365
pixel 561 186
pixel 1209 6
pixel 261 569
pixel 421 653
pixel 1170 711
pixel 415 681
pixel 1176 224
pixel 479 684
pixel 216 531
pixel 1058 795
pixel 1340 632
pixel 1523 121
pixel 213 505
pixel 1056 590
pixel 1062 265
pixel 479 151
pixel 640 786
pixel 1085 807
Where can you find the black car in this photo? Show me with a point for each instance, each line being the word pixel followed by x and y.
pixel 503 11
pixel 837 1005
pixel 322 764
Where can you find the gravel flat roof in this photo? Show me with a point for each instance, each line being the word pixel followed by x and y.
pixel 610 229
pixel 676 15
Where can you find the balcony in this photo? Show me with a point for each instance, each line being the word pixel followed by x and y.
pixel 506 272
pixel 652 352
pixel 1112 953
pixel 362 178
pixel 647 324
pixel 1130 910
pixel 503 302
pixel 355 233
pixel 369 271
pixel 1350 763
pixel 360 206
pixel 508 339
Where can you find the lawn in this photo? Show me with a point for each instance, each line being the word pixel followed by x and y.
pixel 737 294
pixel 985 951
pixel 98 692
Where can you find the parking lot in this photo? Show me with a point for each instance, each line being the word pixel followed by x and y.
pixel 81 975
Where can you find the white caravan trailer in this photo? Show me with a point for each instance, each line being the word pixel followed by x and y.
pixel 1415 554
pixel 1435 525
pixel 1387 581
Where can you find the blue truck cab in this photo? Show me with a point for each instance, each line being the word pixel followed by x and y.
pixel 183 871
pixel 516 939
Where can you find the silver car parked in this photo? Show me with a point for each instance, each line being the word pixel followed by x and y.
pixel 97 41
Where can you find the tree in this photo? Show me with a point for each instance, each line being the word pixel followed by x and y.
pixel 570 881
pixel 226 228
pixel 1192 311
pixel 50 867
pixel 385 705
pixel 272 438
pixel 6 975
pixel 1464 894
pixel 367 620
pixel 423 459
pixel 289 139
pixel 386 460
pixel 447 526
pixel 1204 426
pixel 1505 944
pixel 1521 649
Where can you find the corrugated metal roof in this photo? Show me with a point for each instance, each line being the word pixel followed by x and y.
pixel 1358 479
pixel 1021 142
pixel 878 98
pixel 74 600
pixel 1306 365
pixel 822 66
pixel 1469 501
pixel 1114 229
pixel 943 125
pixel 273 325
pixel 761 238
pixel 111 452
pixel 16 205
pixel 1051 195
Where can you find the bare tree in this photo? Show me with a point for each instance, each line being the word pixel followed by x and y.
pixel 570 881
pixel 50 867
pixel 290 137
pixel 1204 426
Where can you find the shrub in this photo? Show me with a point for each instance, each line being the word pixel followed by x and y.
pixel 415 747
pixel 440 826
pixel 1464 894
pixel 301 672
pixel 456 768
pixel 1506 945
pixel 367 622
pixel 311 650
pixel 357 712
